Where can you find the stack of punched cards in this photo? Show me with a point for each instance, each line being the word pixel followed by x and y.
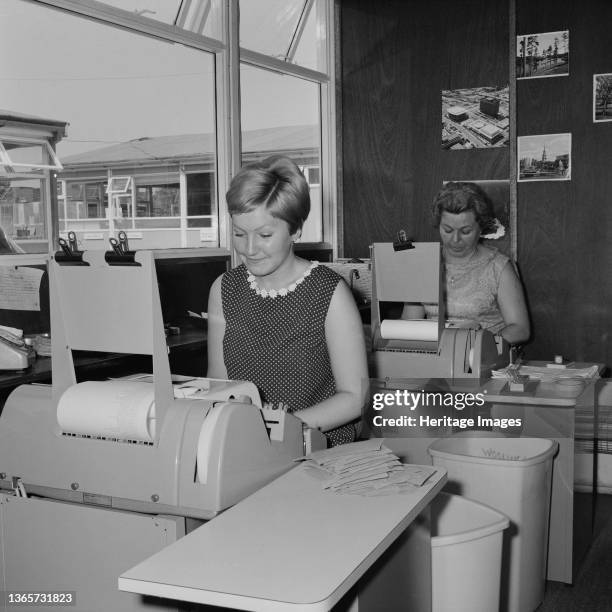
pixel 365 468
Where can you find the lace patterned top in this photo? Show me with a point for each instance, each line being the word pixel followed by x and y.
pixel 471 289
pixel 277 339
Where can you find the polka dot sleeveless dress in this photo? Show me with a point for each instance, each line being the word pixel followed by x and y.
pixel 277 340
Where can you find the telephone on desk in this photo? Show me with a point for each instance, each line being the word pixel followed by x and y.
pixel 15 354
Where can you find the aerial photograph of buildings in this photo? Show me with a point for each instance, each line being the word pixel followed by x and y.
pixel 475 118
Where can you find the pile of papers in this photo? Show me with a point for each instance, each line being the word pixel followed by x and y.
pixel 366 468
pixel 547 374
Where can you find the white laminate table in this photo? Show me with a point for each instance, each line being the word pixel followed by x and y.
pixel 289 546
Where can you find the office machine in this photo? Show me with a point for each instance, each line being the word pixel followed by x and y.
pixel 420 348
pixel 97 475
pixel 15 354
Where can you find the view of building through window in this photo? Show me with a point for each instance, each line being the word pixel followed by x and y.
pixel 139 152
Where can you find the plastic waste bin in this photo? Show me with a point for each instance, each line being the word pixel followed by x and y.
pixel 514 476
pixel 466 555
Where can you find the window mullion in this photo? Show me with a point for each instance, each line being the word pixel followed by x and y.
pixel 183 212
pixel 228 116
pixel 328 178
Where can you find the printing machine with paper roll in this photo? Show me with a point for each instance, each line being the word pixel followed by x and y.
pixel 97 474
pixel 422 348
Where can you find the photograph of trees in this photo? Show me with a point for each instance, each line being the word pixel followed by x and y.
pixel 542 55
pixel 602 97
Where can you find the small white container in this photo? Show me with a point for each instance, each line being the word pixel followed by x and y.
pixel 466 555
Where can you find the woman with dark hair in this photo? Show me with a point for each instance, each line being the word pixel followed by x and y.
pixel 288 325
pixel 482 284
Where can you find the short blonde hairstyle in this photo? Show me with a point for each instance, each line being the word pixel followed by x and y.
pixel 276 183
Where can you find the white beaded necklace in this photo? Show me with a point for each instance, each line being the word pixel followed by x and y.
pixel 273 293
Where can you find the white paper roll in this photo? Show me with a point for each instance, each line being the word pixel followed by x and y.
pixel 398 329
pixel 112 409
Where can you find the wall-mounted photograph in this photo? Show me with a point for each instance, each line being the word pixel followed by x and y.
pixel 542 55
pixel 475 118
pixel 602 97
pixel 544 157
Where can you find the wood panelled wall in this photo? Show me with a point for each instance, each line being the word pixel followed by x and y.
pixel 565 228
pixel 396 58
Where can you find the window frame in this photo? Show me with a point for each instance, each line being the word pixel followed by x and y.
pixel 227 58
pixel 21 168
pixel 14 132
pixel 110 190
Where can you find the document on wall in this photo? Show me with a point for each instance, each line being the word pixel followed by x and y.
pixel 20 288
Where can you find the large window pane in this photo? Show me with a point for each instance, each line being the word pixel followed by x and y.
pixel 280 115
pixel 289 30
pixel 135 106
pixel 139 105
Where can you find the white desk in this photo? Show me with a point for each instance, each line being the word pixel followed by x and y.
pixel 289 546
pixel 552 413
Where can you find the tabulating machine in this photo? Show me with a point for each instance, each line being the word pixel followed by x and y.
pixel 97 475
pixel 421 348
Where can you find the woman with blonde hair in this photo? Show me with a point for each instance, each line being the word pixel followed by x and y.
pixel 286 324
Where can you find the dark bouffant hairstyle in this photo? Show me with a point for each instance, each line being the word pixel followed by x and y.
pixel 456 197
